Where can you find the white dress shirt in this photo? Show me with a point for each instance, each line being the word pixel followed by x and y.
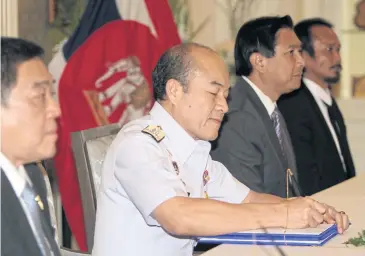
pixel 140 173
pixel 268 103
pixel 16 176
pixel 322 97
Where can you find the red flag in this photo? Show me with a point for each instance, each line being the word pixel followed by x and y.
pixel 106 79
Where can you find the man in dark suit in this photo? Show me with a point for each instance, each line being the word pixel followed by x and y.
pixel 314 121
pixel 254 143
pixel 28 135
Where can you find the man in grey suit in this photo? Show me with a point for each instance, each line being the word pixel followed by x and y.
pixel 28 135
pixel 254 143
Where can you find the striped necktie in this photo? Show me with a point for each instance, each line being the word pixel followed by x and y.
pixel 33 206
pixel 285 145
pixel 275 117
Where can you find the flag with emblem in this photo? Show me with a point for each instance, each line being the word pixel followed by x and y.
pixel 103 75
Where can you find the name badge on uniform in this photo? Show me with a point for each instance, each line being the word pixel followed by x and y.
pixel 176 167
pixel 155 131
pixel 206 178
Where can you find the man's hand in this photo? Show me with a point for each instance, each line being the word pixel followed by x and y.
pixel 306 212
pixel 340 218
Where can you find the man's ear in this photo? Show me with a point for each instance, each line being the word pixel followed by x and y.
pixel 174 91
pixel 7 116
pixel 258 62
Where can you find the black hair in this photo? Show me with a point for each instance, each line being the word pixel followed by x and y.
pixel 258 35
pixel 176 63
pixel 14 51
pixel 304 32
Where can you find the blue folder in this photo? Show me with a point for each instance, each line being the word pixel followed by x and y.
pixel 291 237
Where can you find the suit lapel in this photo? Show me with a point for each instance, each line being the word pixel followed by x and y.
pixel 347 155
pixel 19 235
pixel 318 112
pixel 37 180
pixel 265 119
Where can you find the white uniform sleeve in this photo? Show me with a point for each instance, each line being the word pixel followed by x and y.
pixel 223 186
pixel 143 170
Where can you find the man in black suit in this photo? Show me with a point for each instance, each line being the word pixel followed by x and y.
pixel 254 143
pixel 28 135
pixel 314 121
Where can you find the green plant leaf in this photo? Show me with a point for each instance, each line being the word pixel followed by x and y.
pixel 357 241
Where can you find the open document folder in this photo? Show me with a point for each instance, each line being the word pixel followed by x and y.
pixel 277 236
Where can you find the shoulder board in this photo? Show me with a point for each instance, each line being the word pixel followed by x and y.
pixel 155 131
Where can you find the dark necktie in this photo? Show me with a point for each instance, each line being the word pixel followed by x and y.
pixel 334 117
pixel 33 206
pixel 336 120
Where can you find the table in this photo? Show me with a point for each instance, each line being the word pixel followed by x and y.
pixel 348 196
pixel 233 250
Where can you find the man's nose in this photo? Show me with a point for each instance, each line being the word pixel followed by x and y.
pixel 300 60
pixel 223 105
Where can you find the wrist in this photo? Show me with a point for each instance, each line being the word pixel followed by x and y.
pixel 275 215
pixel 281 214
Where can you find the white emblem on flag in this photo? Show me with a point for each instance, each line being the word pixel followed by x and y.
pixel 131 90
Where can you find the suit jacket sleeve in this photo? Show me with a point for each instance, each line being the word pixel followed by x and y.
pixel 300 127
pixel 238 148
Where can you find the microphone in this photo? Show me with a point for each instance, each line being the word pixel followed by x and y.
pixel 278 249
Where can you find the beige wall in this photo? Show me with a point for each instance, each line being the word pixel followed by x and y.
pixel 27 19
pixel 9 18
pixel 33 22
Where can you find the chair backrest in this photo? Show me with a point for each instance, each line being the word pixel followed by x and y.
pixel 89 148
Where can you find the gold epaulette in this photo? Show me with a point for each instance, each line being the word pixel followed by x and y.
pixel 155 131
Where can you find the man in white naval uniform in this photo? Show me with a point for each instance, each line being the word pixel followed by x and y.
pixel 160 188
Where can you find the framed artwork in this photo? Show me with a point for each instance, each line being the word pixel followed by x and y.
pixel 360 15
pixel 359 87
pixel 359 81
